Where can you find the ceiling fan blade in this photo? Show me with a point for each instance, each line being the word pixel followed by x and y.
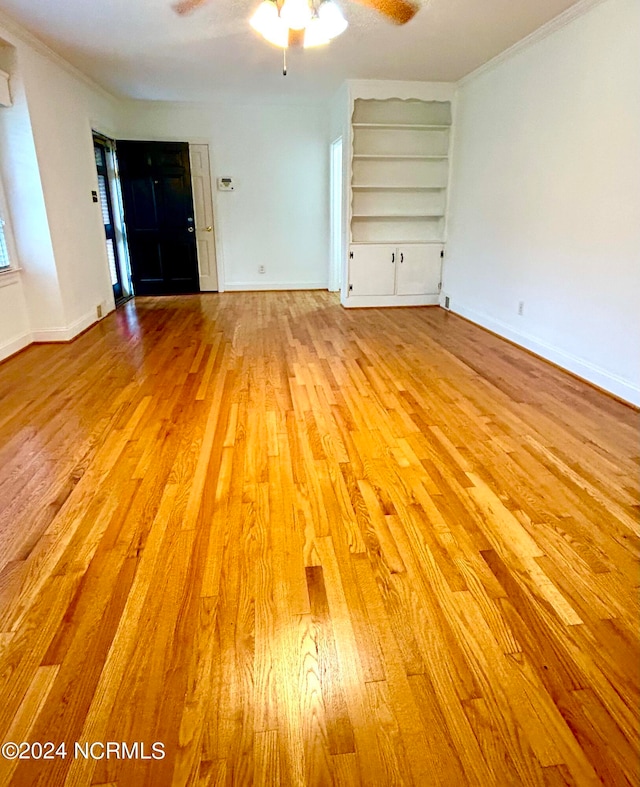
pixel 187 6
pixel 398 11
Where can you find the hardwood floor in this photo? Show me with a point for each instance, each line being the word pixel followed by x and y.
pixel 300 545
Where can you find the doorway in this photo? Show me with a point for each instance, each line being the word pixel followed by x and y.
pixel 112 218
pixel 336 189
pixel 159 214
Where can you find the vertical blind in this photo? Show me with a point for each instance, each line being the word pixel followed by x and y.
pixel 100 152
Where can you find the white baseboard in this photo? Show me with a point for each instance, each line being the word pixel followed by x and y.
pixel 618 386
pixel 68 333
pixel 15 345
pixel 260 287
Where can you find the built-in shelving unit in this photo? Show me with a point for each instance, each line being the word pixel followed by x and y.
pixel 399 177
pixel 399 170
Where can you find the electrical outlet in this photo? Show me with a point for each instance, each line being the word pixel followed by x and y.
pixel 521 308
pixel 261 269
pixel 99 311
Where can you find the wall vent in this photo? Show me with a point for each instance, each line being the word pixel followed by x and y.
pixel 446 302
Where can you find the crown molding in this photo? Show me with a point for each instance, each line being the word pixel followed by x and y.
pixel 26 37
pixel 547 29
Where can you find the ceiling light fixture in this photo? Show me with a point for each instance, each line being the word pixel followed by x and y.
pixel 298 22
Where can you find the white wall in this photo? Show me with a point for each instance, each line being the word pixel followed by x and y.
pixel 48 169
pixel 63 110
pixel 15 328
pixel 545 201
pixel 35 289
pixel 278 156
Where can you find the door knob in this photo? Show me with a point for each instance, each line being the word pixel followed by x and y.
pixel 189 229
pixel 209 229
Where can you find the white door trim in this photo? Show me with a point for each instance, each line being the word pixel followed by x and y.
pixel 204 216
pixel 336 208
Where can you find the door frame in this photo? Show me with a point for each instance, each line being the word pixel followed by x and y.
pixel 114 198
pixel 214 194
pixel 195 214
pixel 336 213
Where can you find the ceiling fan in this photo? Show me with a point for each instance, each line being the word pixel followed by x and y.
pixel 398 11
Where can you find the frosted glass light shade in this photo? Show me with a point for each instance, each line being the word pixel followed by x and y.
pixel 315 34
pixel 327 24
pixel 296 14
pixel 331 18
pixel 268 23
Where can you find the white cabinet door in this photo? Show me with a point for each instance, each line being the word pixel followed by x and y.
pixel 372 269
pixel 419 268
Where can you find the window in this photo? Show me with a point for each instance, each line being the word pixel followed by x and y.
pixel 5 260
pixel 5 256
pixel 8 257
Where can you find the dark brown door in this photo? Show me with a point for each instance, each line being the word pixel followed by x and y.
pixel 158 211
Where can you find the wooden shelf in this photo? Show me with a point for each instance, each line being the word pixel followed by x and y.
pixel 399 187
pixel 395 242
pixel 415 126
pixel 391 157
pixel 400 216
pixel 397 112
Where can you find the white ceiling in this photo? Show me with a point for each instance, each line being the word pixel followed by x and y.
pixel 142 49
